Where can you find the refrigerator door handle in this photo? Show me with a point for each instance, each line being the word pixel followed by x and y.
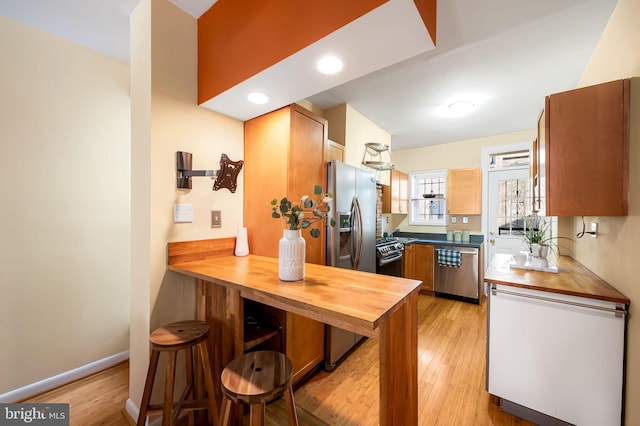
pixel 352 230
pixel 357 233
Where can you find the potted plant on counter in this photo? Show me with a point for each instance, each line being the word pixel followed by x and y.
pixel 291 248
pixel 537 236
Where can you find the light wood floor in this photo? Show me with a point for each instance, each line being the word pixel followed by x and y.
pixel 451 380
pixel 95 400
pixel 451 374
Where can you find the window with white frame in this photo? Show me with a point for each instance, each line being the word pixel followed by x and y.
pixel 427 197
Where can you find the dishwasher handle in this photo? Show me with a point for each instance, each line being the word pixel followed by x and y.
pixel 619 311
pixel 467 251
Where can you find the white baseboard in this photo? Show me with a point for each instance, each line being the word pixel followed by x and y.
pixel 62 378
pixel 133 410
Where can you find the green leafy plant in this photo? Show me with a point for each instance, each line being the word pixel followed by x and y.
pixel 307 212
pixel 537 231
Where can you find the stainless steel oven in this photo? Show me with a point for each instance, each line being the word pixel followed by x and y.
pixel 389 254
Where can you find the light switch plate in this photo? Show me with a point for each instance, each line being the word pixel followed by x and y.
pixel 465 219
pixel 182 213
pixel 216 218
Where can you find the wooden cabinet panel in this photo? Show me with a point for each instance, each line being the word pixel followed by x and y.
pixel 540 189
pixel 533 176
pixel 336 151
pixel 307 168
pixel 266 159
pixel 284 155
pixel 587 151
pixel 302 344
pixel 395 197
pixel 418 264
pixel 464 190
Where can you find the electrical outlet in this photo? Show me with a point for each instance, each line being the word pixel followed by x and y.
pixel 594 229
pixel 216 218
pixel 454 219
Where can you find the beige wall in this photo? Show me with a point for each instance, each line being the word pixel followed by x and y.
pixel 166 119
pixel 452 155
pixel 353 130
pixel 614 254
pixel 64 221
pixel 360 130
pixel 337 118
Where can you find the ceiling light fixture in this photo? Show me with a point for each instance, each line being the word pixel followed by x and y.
pixel 462 107
pixel 258 98
pixel 329 65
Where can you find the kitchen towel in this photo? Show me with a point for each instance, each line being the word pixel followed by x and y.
pixel 448 257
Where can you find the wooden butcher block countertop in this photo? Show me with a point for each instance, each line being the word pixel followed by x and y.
pixel 340 297
pixel 572 279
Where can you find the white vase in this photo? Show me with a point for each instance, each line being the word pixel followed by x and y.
pixel 291 256
pixel 242 244
pixel 539 250
pixel 535 250
pixel 544 251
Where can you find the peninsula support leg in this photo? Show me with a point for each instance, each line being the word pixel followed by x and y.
pixel 399 366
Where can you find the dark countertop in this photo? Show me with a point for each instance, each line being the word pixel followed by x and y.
pixel 476 241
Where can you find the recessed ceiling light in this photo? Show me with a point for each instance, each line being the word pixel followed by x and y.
pixel 329 65
pixel 462 107
pixel 258 98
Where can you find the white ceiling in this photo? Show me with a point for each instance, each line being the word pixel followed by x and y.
pixel 504 55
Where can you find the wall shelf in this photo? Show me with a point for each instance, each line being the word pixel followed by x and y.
pixel 373 156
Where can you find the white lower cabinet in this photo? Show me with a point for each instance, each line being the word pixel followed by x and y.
pixel 559 355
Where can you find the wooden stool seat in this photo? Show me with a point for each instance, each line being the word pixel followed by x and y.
pixel 183 335
pixel 179 335
pixel 255 379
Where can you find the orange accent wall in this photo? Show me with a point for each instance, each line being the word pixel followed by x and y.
pixel 428 12
pixel 239 38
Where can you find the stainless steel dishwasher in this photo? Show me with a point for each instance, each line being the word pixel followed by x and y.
pixel 460 283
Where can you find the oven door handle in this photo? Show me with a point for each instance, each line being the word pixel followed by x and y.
pixel 386 261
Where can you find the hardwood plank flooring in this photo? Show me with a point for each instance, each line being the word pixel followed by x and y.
pixel 98 399
pixel 451 380
pixel 451 374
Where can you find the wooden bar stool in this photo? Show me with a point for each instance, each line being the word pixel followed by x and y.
pixel 183 335
pixel 256 378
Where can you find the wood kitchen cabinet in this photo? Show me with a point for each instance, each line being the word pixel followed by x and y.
pixel 464 191
pixel 539 168
pixel 284 155
pixel 395 197
pixel 583 147
pixel 418 264
pixel 336 151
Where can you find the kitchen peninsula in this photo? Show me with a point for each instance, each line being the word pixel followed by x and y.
pixel 377 306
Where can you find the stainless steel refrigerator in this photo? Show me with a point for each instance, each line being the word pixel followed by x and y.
pixel 351 242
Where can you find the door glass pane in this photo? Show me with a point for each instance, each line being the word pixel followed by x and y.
pixel 514 201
